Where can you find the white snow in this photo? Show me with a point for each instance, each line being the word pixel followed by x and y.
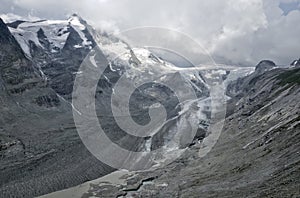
pixel 56 32
pixel 148 145
pixel 75 21
pixel 92 59
pixel 77 46
pixel 114 50
pixel 28 31
pixel 79 72
pixel 295 63
pixel 23 37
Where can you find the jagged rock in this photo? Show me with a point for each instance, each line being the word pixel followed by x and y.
pixel 10 50
pixel 48 100
pixel 296 63
pixel 15 24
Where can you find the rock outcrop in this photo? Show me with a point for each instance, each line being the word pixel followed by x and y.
pixel 296 63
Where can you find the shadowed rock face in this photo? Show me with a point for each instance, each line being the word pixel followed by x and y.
pixel 18 75
pixel 15 68
pixel 296 63
pixel 8 44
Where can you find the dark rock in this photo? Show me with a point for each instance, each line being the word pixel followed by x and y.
pixel 15 24
pixel 48 100
pixel 10 49
pixel 264 65
pixel 296 63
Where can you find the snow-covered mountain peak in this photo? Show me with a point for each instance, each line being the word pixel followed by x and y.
pixel 146 56
pixel 77 21
pixel 54 32
pixel 54 36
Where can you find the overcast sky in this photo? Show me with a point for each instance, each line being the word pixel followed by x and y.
pixel 237 31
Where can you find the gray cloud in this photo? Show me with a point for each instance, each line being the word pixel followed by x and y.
pixel 233 31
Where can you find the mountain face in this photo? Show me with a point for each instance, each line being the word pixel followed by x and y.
pixel 38 137
pixel 56 47
pixel 19 77
pixel 16 69
pixel 257 154
pixel 41 151
pixel 8 43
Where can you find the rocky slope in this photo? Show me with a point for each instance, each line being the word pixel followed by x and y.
pixel 257 154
